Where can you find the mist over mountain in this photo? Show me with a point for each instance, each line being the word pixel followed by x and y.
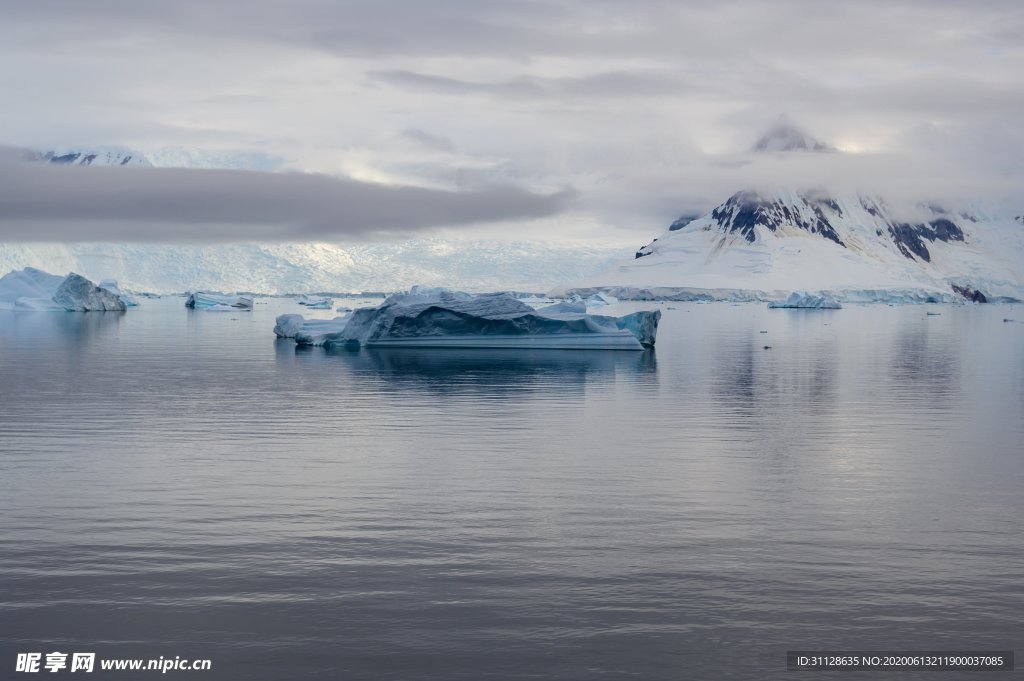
pixel 784 136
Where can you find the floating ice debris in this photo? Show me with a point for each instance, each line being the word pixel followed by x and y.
pixel 933 314
pixel 805 300
pixel 35 290
pixel 201 300
pixel 437 318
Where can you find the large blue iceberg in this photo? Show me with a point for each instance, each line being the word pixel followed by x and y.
pixel 437 318
pixel 217 302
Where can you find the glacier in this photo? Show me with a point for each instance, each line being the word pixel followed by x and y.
pixel 807 301
pixel 35 290
pixel 335 268
pixel 439 318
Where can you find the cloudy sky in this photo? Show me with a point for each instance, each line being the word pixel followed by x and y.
pixel 557 119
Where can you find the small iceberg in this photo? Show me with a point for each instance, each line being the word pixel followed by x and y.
pixel 308 331
pixel 217 302
pixel 316 302
pixel 808 301
pixel 438 318
pixel 38 291
pixel 600 299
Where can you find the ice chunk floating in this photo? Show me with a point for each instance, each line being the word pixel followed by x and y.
pixel 201 300
pixel 315 302
pixel 435 318
pixel 311 331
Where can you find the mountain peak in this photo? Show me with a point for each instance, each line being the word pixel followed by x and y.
pixel 784 136
pixel 95 156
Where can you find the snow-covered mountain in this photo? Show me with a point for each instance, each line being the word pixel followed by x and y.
pixel 472 265
pixel 761 246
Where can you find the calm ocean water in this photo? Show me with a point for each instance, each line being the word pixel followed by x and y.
pixel 175 483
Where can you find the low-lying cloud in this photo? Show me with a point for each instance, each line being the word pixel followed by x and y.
pixel 44 202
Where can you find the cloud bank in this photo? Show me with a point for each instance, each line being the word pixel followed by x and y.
pixel 43 202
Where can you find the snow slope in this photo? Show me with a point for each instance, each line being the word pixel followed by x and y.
pixel 762 246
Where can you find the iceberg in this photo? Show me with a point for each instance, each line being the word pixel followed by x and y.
pixel 808 301
pixel 316 302
pixel 35 290
pixel 29 289
pixel 111 286
pixel 201 300
pixel 287 325
pixel 308 331
pixel 78 294
pixel 438 318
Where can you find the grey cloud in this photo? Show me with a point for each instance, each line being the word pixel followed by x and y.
pixel 454 86
pixel 41 202
pixel 514 28
pixel 428 139
pixel 602 84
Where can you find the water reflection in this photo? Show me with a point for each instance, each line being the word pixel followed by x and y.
pixel 497 372
pixel 61 344
pixel 57 328
pixel 925 361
